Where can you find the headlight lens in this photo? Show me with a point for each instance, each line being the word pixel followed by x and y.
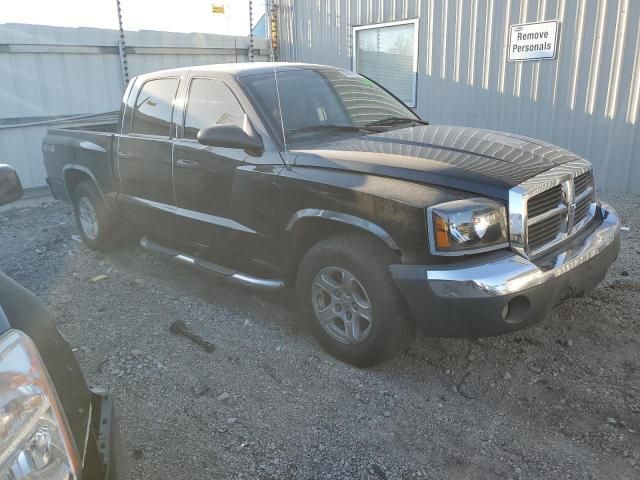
pixel 35 441
pixel 467 226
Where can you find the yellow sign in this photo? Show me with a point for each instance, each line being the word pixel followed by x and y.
pixel 217 8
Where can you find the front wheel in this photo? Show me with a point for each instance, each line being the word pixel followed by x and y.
pixel 350 301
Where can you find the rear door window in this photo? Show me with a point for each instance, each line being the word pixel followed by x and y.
pixel 210 103
pixel 154 107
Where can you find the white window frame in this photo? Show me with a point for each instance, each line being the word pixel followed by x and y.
pixel 414 21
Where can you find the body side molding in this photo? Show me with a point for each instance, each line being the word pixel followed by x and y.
pixel 192 214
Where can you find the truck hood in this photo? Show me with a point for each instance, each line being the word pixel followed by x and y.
pixel 470 159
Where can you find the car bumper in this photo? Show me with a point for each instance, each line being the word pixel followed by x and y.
pixel 508 292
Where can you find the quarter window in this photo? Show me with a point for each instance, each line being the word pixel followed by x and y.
pixel 388 54
pixel 154 106
pixel 210 103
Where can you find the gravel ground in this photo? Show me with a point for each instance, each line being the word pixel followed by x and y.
pixel 558 400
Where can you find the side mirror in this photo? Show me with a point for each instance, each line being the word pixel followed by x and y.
pixel 10 186
pixel 231 136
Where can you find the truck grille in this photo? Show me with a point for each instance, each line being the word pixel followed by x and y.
pixel 545 201
pixel 544 232
pixel 584 198
pixel 551 207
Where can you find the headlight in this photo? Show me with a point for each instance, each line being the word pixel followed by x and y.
pixel 467 226
pixel 35 442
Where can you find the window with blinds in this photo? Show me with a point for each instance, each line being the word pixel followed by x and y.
pixel 388 53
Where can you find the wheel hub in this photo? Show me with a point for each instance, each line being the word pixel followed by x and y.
pixel 88 218
pixel 342 305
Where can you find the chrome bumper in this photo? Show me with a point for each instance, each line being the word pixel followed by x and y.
pixel 514 274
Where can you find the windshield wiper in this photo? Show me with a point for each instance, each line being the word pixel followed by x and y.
pixel 310 128
pixel 392 121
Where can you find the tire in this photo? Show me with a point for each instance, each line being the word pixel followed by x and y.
pixel 347 334
pixel 96 224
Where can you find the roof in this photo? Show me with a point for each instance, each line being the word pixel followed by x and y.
pixel 242 69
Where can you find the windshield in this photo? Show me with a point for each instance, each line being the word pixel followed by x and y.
pixel 325 102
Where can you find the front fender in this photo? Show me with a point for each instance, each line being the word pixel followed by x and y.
pixel 342 218
pixel 390 209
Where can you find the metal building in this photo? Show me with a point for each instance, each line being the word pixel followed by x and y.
pixel 455 53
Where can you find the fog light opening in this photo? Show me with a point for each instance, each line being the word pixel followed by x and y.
pixel 516 310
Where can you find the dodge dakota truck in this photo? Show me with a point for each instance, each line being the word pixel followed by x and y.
pixel 318 178
pixel 52 425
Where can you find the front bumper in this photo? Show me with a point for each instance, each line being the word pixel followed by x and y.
pixel 507 292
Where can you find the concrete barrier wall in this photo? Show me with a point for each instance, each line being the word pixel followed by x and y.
pixel 48 73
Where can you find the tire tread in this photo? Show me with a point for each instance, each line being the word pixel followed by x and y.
pixel 374 258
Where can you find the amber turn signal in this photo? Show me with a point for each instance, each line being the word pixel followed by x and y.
pixel 442 234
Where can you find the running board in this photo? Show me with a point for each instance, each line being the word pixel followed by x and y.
pixel 229 274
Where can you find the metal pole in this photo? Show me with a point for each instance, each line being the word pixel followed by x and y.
pixel 273 28
pixel 122 49
pixel 251 30
pixel 267 19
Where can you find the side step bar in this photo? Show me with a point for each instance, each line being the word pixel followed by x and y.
pixel 232 275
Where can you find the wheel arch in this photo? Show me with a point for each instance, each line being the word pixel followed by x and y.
pixel 309 226
pixel 73 174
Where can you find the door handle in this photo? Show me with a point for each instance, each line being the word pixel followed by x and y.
pixel 183 163
pixel 125 154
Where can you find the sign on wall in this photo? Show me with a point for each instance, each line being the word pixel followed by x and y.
pixel 533 41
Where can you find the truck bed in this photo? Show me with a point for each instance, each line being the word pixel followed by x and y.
pixel 84 148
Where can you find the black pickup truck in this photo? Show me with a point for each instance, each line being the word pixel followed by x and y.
pixel 316 177
pixel 52 425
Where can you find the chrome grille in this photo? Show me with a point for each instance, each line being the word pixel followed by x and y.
pixel 584 192
pixel 582 209
pixel 544 232
pixel 545 201
pixel 551 207
pixel 582 182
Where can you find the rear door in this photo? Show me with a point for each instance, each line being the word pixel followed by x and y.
pixel 205 177
pixel 144 155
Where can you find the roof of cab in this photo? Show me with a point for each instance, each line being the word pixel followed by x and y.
pixel 239 69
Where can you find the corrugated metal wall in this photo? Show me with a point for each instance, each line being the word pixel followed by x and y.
pixel 56 71
pixel 587 100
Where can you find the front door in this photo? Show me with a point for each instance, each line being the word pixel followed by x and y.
pixel 205 177
pixel 144 158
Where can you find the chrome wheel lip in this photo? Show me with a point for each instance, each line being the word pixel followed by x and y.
pixel 342 305
pixel 88 218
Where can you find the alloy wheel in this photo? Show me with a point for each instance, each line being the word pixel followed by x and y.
pixel 342 305
pixel 88 218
